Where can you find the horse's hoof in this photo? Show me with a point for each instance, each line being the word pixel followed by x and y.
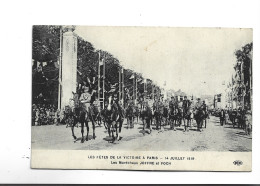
pixel 74 137
pixel 82 141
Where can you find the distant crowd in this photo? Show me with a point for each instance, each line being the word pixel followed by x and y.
pixel 240 117
pixel 45 114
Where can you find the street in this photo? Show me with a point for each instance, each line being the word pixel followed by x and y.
pixel 212 138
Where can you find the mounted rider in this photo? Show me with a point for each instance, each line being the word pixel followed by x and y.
pixel 116 106
pixel 158 111
pixel 85 99
pixel 172 103
pixel 199 114
pixel 186 104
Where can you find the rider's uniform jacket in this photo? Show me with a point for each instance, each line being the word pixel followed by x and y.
pixel 172 104
pixel 185 105
pixel 116 106
pixel 142 103
pixel 85 100
pixel 198 105
pixel 158 105
pixel 96 105
pixel 204 106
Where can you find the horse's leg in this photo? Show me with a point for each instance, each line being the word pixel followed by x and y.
pixel 185 127
pixel 86 122
pixel 143 123
pixel 82 130
pixel 117 128
pixel 113 137
pixel 120 127
pixel 72 129
pixel 156 120
pixel 108 127
pixel 93 126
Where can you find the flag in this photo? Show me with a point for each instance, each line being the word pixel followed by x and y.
pixel 132 76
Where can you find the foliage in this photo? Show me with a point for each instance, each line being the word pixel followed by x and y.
pixel 46 48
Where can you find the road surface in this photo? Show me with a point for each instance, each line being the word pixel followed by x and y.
pixel 212 138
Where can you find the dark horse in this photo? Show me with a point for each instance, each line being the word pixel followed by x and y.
pixel 173 116
pixel 82 115
pixel 180 116
pixel 199 116
pixel 130 113
pixel 158 118
pixel 187 119
pixel 147 116
pixel 113 116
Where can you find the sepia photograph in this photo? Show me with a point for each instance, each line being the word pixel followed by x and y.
pixel 141 98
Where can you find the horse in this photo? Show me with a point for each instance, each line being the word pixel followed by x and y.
pixel 180 117
pixel 165 115
pixel 146 115
pixel 199 116
pixel 82 115
pixel 232 117
pixel 158 117
pixel 68 116
pixel 97 116
pixel 206 116
pixel 114 117
pixel 137 113
pixel 173 118
pixel 187 116
pixel 130 113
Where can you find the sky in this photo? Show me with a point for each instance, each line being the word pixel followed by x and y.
pixel 195 60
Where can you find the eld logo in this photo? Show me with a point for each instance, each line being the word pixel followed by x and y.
pixel 238 162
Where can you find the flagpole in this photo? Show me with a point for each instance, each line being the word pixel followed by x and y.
pixel 60 66
pixel 104 62
pixel 135 89
pixel 123 86
pixel 99 77
pixel 152 92
pixel 119 83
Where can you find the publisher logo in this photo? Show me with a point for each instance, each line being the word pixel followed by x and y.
pixel 238 162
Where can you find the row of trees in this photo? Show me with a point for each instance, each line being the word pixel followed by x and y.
pixel 45 68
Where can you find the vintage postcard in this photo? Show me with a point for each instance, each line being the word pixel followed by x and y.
pixel 142 98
